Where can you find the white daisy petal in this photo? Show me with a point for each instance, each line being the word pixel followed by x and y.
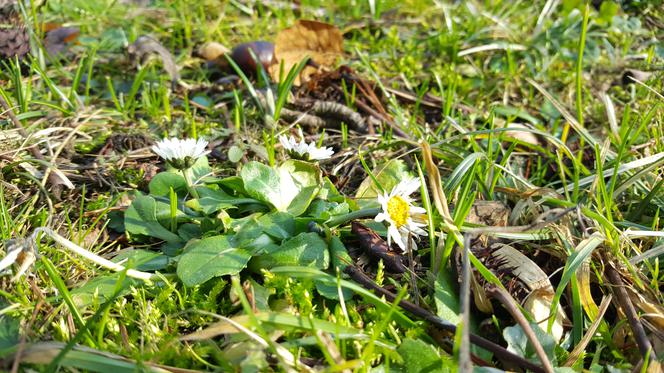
pixel 403 219
pixel 9 259
pixel 179 153
pixel 302 150
pixel 417 210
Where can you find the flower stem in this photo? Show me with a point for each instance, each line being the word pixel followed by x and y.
pixel 190 185
pixel 102 262
pixel 359 214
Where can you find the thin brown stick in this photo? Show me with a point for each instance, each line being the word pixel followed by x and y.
pixel 645 347
pixel 499 351
pixel 21 343
pixel 465 364
pixel 510 304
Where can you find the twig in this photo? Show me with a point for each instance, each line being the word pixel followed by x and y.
pixel 21 343
pixel 510 304
pixel 645 347
pixel 465 364
pixel 499 351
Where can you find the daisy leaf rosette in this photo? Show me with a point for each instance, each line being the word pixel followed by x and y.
pixel 289 188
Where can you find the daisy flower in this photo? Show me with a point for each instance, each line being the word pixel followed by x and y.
pixel 181 154
pixel 21 253
pixel 404 219
pixel 304 151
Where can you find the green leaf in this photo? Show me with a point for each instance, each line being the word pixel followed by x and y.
pixel 447 301
pixel 102 288
pixel 143 260
pixel 289 188
pixel 162 182
pixel 339 254
pixel 306 177
pixel 9 333
pixel 332 292
pixel 234 183
pixel 388 175
pixel 210 257
pixel 330 193
pixel 278 225
pixel 305 249
pixel 607 11
pixel 211 201
pixel 518 343
pixel 199 170
pixel 419 356
pixel 141 219
pixel 250 236
pixel 323 210
pixel 235 154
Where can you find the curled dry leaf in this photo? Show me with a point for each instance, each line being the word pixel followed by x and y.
pixel 58 39
pixel 521 132
pixel 145 46
pixel 538 302
pixel 321 42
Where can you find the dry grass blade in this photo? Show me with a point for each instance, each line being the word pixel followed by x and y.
pixel 56 178
pixel 291 364
pixel 439 198
pixel 569 117
pixel 45 352
pixel 590 333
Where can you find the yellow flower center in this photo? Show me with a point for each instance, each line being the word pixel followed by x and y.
pixel 398 210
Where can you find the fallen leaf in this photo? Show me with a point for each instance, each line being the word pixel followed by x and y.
pixel 538 302
pixel 489 213
pixel 521 132
pixel 57 40
pixel 146 46
pixel 321 42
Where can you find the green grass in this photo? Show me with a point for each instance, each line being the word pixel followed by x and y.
pixel 470 68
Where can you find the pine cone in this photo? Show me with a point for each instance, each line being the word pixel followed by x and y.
pixel 14 37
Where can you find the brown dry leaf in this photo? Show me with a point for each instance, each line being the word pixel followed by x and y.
pixel 489 213
pixel 58 39
pixel 321 42
pixel 539 301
